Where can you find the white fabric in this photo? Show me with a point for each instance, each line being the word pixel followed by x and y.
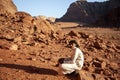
pixel 70 66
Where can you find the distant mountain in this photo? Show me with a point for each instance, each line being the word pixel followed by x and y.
pixel 88 12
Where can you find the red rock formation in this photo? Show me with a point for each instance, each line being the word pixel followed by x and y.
pixel 21 28
pixel 83 11
pixel 89 12
pixel 8 6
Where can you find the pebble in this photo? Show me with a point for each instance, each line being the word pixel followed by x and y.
pixel 1 59
pixel 103 65
pixel 14 47
pixel 33 59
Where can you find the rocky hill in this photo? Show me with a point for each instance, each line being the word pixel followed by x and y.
pixel 8 5
pixel 88 12
pixel 21 28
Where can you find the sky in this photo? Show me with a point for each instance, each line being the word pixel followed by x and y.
pixel 49 8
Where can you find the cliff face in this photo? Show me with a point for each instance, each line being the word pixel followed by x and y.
pixel 8 6
pixel 82 11
pixel 112 18
pixel 88 12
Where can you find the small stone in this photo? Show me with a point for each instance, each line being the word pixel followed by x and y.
pixel 91 69
pixel 1 59
pixel 88 59
pixel 9 37
pixel 97 64
pixel 14 47
pixel 73 33
pixel 33 59
pixel 98 77
pixel 118 47
pixel 17 39
pixel 107 72
pixel 114 65
pixel 97 45
pixel 85 75
pixel 103 65
pixel 91 36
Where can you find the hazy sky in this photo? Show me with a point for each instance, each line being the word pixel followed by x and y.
pixel 49 8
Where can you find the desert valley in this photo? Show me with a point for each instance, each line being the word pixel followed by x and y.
pixel 31 46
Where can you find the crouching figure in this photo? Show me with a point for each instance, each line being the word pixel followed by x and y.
pixel 74 64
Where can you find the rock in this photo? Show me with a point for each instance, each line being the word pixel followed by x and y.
pixel 92 49
pixel 114 65
pixel 98 70
pixel 42 17
pixel 97 64
pixel 97 45
pixel 43 26
pixel 100 63
pixel 1 59
pixel 53 35
pixel 4 44
pixel 107 72
pixel 33 59
pixel 7 34
pixel 89 59
pixel 73 33
pixel 9 37
pixel 41 59
pixel 10 6
pixel 99 59
pixel 91 36
pixel 13 47
pixel 24 17
pixel 118 47
pixel 18 39
pixel 42 36
pixel 110 50
pixel 103 65
pixel 91 69
pixel 98 77
pixel 51 19
pixel 110 45
pixel 86 75
pixel 60 34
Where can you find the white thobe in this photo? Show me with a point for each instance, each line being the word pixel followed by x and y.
pixel 75 64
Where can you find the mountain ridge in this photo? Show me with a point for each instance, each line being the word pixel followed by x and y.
pixel 88 12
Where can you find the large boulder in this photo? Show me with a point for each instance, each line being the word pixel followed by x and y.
pixel 8 5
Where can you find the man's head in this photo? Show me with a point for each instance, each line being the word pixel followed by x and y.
pixel 73 43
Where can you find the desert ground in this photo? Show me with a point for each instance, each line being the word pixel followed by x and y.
pixel 101 48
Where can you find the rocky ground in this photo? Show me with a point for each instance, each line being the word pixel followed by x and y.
pixel 36 61
pixel 31 46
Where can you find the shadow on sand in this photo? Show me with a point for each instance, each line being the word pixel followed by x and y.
pixel 30 69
